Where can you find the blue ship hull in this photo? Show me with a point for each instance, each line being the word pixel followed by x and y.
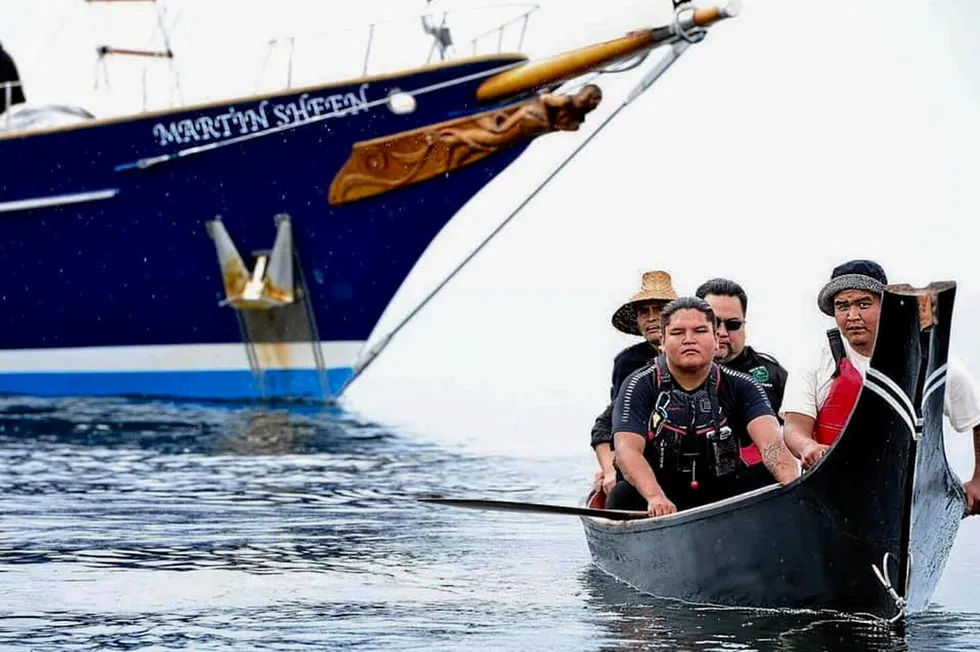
pixel 120 295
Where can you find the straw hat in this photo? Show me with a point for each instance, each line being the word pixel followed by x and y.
pixel 655 286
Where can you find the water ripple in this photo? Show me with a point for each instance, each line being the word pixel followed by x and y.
pixel 141 525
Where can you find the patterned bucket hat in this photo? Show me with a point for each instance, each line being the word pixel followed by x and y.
pixel 864 275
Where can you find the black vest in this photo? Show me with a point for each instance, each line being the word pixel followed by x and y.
pixel 687 433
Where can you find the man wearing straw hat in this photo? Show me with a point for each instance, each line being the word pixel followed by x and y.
pixel 640 315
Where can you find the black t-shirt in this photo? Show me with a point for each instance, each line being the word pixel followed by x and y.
pixel 740 400
pixel 626 362
pixel 765 370
pixel 629 360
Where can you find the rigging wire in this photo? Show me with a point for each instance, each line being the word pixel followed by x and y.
pixel 161 12
pixel 656 70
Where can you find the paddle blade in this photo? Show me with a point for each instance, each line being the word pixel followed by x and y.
pixel 535 508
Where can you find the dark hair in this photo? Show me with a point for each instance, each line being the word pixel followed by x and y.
pixel 686 303
pixel 724 287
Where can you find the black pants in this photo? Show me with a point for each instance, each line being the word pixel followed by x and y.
pixel 754 477
pixel 624 496
pixel 678 490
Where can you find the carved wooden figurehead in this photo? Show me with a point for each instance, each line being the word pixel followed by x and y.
pixel 391 162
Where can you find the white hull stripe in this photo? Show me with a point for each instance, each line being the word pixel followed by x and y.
pixel 178 357
pixel 935 380
pixel 57 200
pixel 897 391
pixel 903 408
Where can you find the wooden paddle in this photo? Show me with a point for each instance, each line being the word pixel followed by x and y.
pixel 537 508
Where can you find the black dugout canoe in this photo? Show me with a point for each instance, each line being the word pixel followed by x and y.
pixel 838 537
pixel 938 500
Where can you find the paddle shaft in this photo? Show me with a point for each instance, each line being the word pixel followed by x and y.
pixel 537 508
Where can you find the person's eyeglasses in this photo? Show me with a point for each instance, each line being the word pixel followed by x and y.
pixel 729 324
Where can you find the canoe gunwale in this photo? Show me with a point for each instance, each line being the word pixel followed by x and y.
pixel 694 514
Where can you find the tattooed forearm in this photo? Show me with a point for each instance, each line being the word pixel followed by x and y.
pixel 779 461
pixel 770 454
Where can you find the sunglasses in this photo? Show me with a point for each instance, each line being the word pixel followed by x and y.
pixel 729 324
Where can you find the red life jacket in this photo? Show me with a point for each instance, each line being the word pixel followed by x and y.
pixel 597 500
pixel 844 392
pixel 750 455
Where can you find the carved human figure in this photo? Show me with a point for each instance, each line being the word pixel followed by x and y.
pixel 423 154
pixel 540 115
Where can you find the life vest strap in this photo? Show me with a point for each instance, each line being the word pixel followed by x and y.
pixel 836 349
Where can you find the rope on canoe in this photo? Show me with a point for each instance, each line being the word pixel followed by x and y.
pixel 885 579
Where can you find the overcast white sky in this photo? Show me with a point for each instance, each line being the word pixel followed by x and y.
pixel 796 136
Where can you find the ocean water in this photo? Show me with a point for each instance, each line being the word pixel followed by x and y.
pixel 128 525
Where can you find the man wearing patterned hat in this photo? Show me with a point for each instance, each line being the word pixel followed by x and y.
pixel 821 394
pixel 640 315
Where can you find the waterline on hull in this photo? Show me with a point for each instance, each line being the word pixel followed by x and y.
pixel 203 371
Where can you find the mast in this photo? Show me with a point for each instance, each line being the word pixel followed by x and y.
pixel 149 54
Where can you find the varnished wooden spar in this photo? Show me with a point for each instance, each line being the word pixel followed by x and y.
pixel 564 66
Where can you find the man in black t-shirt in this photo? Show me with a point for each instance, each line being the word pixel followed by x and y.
pixel 679 423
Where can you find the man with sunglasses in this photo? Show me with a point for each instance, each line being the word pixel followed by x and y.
pixel 729 303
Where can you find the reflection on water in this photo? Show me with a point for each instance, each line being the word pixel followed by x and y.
pixel 638 622
pixel 634 621
pixel 135 525
pixel 198 487
pixel 182 427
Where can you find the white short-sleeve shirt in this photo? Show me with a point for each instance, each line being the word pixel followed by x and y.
pixel 962 404
pixel 808 386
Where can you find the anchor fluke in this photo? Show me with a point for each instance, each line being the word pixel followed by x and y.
pixel 270 283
